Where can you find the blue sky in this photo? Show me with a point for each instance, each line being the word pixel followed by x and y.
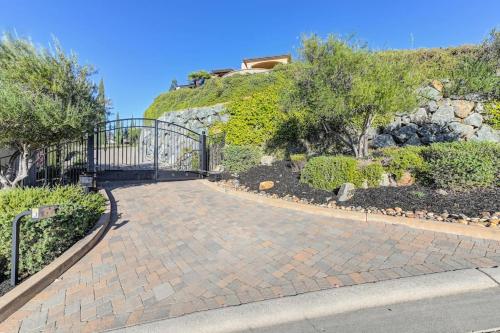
pixel 139 46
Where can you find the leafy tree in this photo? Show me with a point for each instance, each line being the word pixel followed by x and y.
pixel 173 85
pixel 477 73
pixel 118 131
pixel 194 76
pixel 342 90
pixel 103 101
pixel 46 97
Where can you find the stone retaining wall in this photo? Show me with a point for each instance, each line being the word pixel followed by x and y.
pixel 438 119
pixel 197 119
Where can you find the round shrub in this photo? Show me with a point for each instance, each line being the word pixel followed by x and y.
pixel 463 164
pixel 329 172
pixel 241 158
pixel 372 173
pixel 399 160
pixel 493 114
pixel 43 241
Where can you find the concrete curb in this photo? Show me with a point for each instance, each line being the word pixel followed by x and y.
pixel 321 303
pixel 17 297
pixel 445 227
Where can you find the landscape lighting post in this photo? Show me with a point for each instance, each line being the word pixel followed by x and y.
pixel 36 214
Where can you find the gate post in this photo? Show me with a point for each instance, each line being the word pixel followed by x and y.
pixel 203 153
pixel 155 153
pixel 90 153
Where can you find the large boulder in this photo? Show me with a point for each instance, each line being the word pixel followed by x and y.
pixel 438 85
pixel 462 108
pixel 346 192
pixel 414 140
pixel 267 160
pixel 428 133
pixel 383 140
pixel 474 119
pixel 419 117
pixel 430 93
pixel 394 125
pixel 432 106
pixel 404 133
pixel 461 130
pixel 444 115
pixel 406 179
pixel 486 133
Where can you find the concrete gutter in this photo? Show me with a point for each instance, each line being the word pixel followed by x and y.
pixel 436 226
pixel 324 303
pixel 17 297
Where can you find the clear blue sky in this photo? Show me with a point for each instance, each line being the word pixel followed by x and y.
pixel 139 46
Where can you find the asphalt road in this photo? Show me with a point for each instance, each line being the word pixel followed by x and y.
pixel 468 312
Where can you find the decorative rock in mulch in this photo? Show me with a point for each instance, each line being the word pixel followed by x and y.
pixel 346 192
pixel 266 185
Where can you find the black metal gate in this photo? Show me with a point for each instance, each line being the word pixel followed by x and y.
pixel 147 149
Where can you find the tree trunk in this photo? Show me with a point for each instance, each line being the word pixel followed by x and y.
pixel 363 138
pixel 23 167
pixel 307 145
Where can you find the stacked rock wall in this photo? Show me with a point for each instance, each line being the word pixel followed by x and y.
pixel 197 119
pixel 438 119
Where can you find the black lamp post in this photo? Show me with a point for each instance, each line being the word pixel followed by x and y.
pixel 36 214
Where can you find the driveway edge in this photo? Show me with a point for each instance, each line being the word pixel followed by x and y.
pixel 17 297
pixel 450 228
pixel 321 303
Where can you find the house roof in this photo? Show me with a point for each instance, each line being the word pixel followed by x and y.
pixel 222 70
pixel 268 58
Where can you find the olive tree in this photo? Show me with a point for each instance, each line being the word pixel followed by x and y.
pixel 342 91
pixel 46 97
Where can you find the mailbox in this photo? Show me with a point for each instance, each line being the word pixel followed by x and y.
pixel 43 212
pixel 86 181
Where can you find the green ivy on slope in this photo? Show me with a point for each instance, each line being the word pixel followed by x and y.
pixel 215 90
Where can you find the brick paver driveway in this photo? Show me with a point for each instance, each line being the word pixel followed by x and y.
pixel 181 247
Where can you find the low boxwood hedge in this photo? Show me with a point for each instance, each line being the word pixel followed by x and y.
pixel 329 172
pixel 444 165
pixel 43 241
pixel 462 164
pixel 241 158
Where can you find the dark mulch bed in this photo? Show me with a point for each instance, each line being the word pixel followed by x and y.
pixel 471 203
pixel 285 181
pixel 410 198
pixel 5 287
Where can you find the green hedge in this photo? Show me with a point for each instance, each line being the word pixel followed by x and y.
pixel 443 165
pixel 329 172
pixel 396 161
pixel 241 158
pixel 462 164
pixel 372 173
pixel 43 241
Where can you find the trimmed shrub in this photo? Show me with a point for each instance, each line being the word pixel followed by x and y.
pixel 463 164
pixel 43 241
pixel 329 172
pixel 241 158
pixel 493 114
pixel 372 173
pixel 398 160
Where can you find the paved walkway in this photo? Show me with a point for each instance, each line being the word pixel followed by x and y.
pixel 180 247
